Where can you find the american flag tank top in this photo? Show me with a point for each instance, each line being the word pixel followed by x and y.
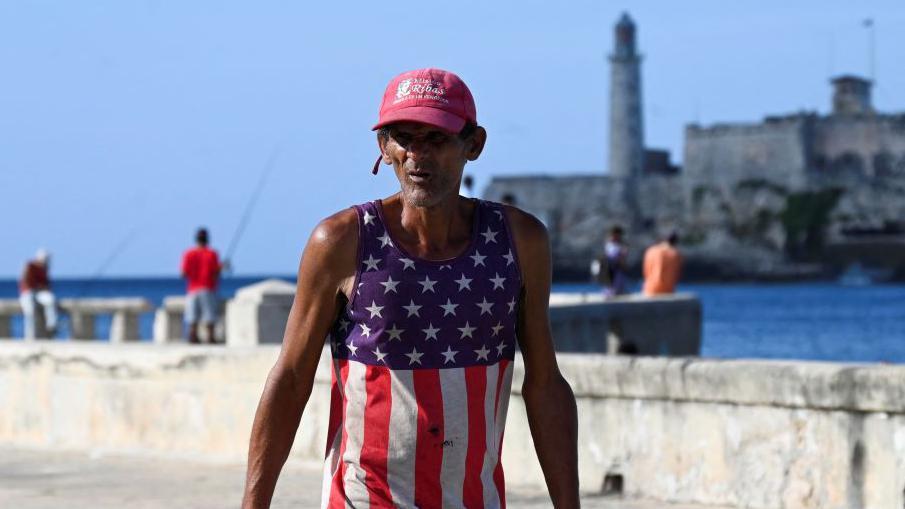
pixel 422 369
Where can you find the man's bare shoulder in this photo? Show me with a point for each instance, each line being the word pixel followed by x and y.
pixel 332 250
pixel 526 229
pixel 336 230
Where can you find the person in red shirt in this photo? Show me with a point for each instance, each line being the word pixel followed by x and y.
pixel 34 290
pixel 201 269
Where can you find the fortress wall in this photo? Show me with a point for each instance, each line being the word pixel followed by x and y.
pixel 863 155
pixel 868 138
pixel 578 210
pixel 735 179
pixel 723 155
pixel 530 192
pixel 872 204
pixel 661 200
pixel 728 199
pixel 759 434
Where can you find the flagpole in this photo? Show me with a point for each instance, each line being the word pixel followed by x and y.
pixel 871 49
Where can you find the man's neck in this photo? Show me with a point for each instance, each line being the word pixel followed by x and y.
pixel 438 232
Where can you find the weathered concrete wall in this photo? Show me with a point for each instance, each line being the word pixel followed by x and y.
pixel 746 433
pixel 258 313
pixel 140 398
pixel 751 434
pixel 662 325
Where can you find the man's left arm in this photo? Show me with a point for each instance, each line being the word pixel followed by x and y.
pixel 552 414
pixel 27 280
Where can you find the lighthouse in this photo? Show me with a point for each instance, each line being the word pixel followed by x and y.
pixel 626 157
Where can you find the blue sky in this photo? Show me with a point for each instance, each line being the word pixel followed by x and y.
pixel 144 119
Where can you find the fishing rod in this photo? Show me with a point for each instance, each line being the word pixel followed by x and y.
pixel 114 254
pixel 249 207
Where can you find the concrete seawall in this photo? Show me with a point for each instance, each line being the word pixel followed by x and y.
pixel 581 322
pixel 667 325
pixel 746 433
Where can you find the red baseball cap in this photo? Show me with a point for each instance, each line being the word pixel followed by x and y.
pixel 429 96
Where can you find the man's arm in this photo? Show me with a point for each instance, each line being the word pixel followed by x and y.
pixel 184 266
pixel 326 273
pixel 223 265
pixel 219 265
pixel 623 256
pixel 27 282
pixel 552 414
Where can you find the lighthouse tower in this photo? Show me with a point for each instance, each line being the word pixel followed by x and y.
pixel 626 157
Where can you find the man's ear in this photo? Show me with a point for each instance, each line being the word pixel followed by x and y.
pixel 381 145
pixel 476 141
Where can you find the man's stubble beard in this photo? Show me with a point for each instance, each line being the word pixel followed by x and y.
pixel 422 197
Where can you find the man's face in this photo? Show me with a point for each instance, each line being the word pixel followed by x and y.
pixel 428 161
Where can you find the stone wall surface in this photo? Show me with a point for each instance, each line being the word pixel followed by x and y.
pixel 725 154
pixel 865 136
pixel 578 211
pixel 760 434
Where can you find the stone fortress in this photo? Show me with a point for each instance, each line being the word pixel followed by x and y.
pixel 799 195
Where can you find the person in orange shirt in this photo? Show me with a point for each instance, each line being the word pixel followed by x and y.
pixel 662 265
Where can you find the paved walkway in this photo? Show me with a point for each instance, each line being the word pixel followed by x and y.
pixel 51 480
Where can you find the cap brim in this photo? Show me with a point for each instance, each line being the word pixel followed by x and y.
pixel 425 115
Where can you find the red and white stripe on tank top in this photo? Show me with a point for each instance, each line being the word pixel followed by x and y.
pixel 422 371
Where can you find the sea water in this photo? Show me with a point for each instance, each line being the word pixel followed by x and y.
pixel 815 321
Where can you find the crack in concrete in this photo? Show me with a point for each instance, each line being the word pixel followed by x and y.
pixel 116 370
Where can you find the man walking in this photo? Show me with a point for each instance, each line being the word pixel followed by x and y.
pixel 34 291
pixel 201 269
pixel 421 297
pixel 662 266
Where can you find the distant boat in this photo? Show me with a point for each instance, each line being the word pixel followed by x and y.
pixel 857 274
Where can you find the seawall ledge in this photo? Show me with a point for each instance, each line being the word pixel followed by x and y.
pixel 779 383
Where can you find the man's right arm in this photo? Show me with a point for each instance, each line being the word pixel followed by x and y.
pixel 184 266
pixel 326 273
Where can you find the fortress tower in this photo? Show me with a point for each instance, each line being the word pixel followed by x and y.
pixel 626 157
pixel 851 95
